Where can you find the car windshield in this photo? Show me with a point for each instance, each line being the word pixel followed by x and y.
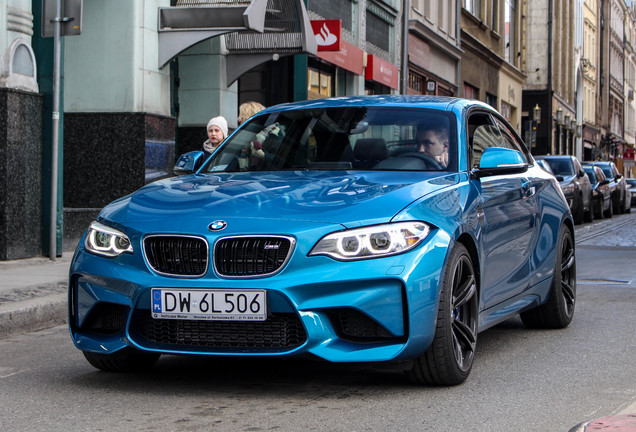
pixel 351 138
pixel 561 167
pixel 631 182
pixel 590 173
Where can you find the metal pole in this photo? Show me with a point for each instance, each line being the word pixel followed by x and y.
pixel 57 44
pixel 405 47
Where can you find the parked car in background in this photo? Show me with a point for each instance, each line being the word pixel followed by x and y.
pixel 321 229
pixel 632 190
pixel 574 183
pixel 618 185
pixel 601 194
pixel 544 164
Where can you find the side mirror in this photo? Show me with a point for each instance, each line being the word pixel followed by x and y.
pixel 559 178
pixel 604 182
pixel 188 163
pixel 499 161
pixel 581 174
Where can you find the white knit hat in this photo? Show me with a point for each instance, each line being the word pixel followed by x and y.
pixel 220 122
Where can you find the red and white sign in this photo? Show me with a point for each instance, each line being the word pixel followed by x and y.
pixel 382 71
pixel 328 34
pixel 628 154
pixel 350 57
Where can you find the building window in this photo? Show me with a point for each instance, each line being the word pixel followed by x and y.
pixel 474 7
pixel 509 31
pixel 416 83
pixel 378 31
pixel 334 9
pixel 506 110
pixel 491 100
pixel 470 92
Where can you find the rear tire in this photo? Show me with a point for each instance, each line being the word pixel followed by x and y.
pixel 589 215
pixel 450 357
pixel 126 360
pixel 578 211
pixel 557 312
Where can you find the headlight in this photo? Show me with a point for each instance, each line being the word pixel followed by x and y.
pixel 372 242
pixel 106 241
pixel 568 189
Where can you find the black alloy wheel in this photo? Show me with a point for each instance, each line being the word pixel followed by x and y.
pixel 450 358
pixel 558 311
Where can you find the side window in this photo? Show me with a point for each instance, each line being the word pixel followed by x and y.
pixel 481 135
pixel 510 140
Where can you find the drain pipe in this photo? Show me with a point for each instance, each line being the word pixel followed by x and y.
pixel 405 47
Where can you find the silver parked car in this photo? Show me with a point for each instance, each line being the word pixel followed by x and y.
pixel 575 185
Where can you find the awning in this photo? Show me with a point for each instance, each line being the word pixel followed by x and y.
pixel 256 30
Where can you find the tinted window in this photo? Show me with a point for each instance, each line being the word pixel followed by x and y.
pixel 561 167
pixel 590 173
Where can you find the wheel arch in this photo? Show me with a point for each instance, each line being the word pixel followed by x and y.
pixel 469 243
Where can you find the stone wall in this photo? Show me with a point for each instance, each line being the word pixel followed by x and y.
pixel 20 174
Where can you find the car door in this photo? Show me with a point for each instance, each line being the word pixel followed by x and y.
pixel 508 215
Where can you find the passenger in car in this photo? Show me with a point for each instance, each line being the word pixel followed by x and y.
pixel 247 110
pixel 432 140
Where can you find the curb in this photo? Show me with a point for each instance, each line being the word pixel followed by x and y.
pixel 32 315
pixel 619 423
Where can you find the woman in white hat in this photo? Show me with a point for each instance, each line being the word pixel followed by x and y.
pixel 217 132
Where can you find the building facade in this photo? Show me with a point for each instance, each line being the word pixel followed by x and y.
pixel 491 59
pixel 434 51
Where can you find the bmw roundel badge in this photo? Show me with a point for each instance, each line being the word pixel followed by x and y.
pixel 217 225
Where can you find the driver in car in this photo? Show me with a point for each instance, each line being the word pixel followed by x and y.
pixel 432 140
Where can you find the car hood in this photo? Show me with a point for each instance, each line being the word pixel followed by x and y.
pixel 346 198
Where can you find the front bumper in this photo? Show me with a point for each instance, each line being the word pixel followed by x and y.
pixel 370 310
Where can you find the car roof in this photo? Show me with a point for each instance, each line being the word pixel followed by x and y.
pixel 443 103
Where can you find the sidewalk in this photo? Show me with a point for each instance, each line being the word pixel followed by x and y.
pixel 33 294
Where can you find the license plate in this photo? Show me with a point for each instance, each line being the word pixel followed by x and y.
pixel 171 303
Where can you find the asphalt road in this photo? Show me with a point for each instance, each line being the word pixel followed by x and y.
pixel 522 380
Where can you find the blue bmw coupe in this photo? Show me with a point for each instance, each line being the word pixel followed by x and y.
pixel 358 229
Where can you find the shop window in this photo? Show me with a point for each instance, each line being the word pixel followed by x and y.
pixel 321 80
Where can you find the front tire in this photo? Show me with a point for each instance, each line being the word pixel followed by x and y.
pixel 125 360
pixel 557 312
pixel 450 357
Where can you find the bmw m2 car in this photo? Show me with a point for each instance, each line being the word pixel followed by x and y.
pixel 359 229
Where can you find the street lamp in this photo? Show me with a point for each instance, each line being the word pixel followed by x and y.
pixel 566 122
pixel 573 125
pixel 536 114
pixel 559 116
pixel 579 130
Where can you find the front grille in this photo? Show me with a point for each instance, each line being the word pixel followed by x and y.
pixel 177 255
pixel 251 256
pixel 279 333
